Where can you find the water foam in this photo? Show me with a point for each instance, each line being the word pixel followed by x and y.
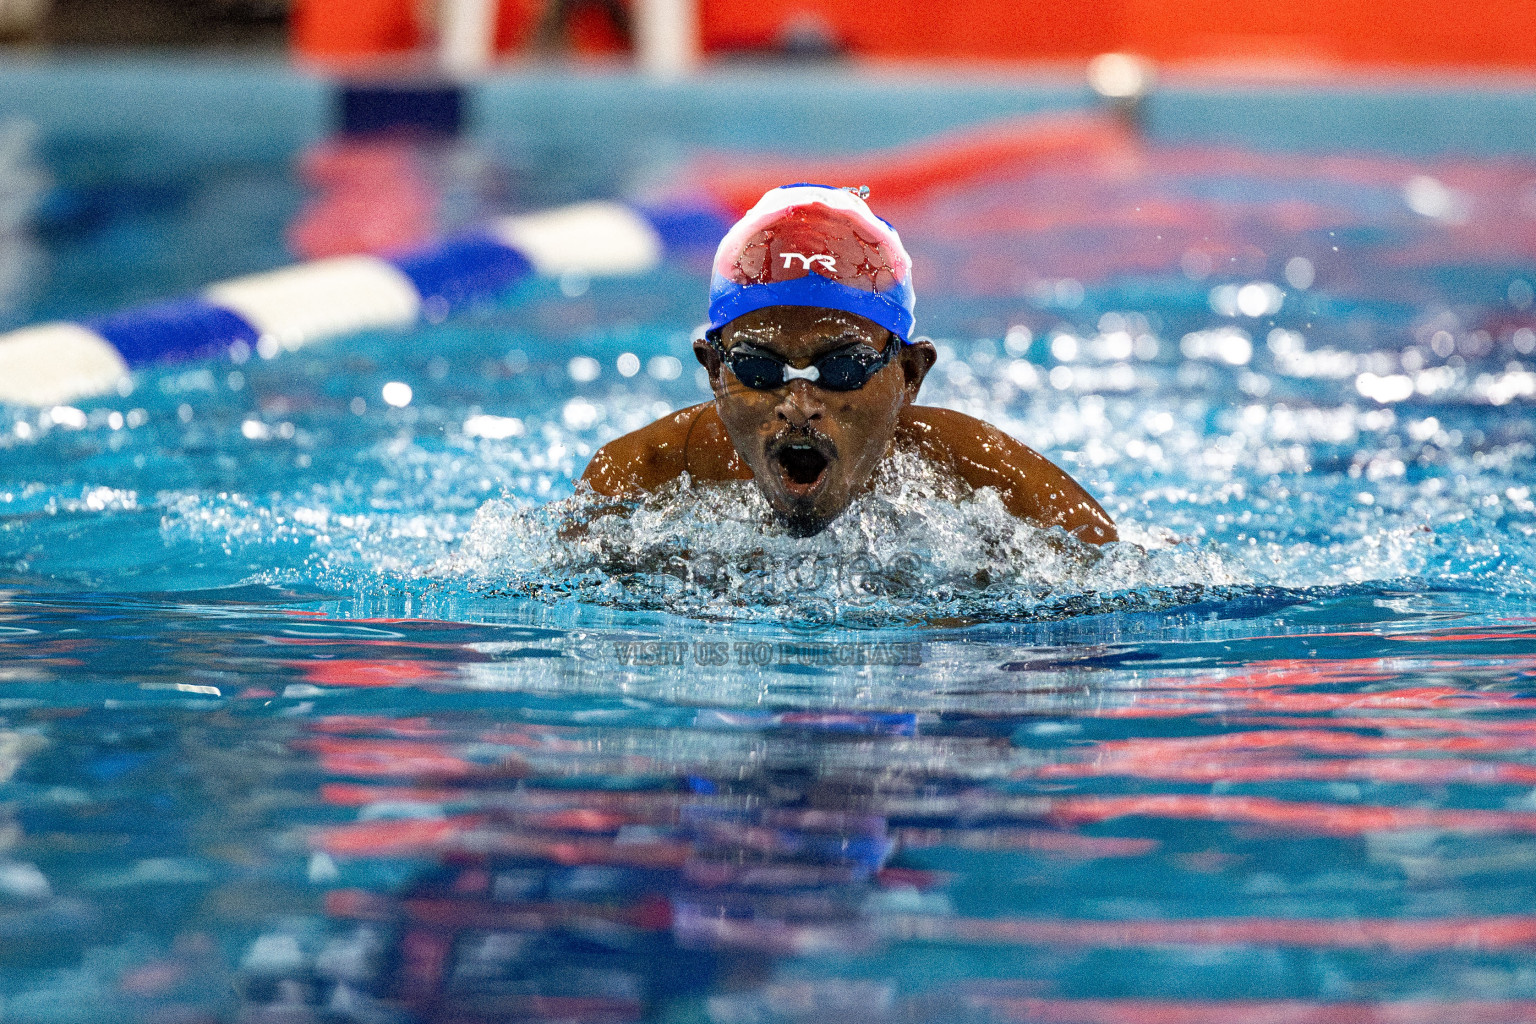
pixel 916 547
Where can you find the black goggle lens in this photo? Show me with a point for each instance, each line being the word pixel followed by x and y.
pixel 844 370
pixel 760 373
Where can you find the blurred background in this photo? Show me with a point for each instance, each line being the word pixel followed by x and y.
pixel 1294 37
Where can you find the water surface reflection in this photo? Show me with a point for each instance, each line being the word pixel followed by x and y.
pixel 252 806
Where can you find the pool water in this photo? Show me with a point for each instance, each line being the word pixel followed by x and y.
pixel 308 711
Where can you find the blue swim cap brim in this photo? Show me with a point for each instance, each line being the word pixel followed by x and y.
pixel 729 300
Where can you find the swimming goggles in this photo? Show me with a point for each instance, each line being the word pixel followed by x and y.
pixel 846 369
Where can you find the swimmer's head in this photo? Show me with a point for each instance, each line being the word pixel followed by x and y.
pixel 808 348
pixel 818 246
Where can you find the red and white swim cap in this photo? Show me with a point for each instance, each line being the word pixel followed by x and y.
pixel 813 245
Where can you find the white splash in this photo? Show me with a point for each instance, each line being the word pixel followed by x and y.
pixel 915 548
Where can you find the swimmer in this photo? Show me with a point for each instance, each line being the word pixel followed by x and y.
pixel 815 371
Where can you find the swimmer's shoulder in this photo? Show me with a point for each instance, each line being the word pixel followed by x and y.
pixel 691 440
pixel 1031 486
pixel 955 439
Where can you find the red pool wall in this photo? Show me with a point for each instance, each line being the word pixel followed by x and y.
pixel 1421 33
pixel 1426 33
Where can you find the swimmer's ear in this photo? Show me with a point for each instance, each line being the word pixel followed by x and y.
pixel 916 359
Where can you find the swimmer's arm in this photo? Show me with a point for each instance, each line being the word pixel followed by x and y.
pixel 1031 486
pixel 692 440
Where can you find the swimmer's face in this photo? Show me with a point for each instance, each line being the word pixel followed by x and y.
pixel 810 449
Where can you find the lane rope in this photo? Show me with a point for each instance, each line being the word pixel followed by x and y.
pixel 291 307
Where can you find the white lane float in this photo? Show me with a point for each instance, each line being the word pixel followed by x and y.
pixel 288 308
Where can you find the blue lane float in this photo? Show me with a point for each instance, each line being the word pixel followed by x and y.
pixel 288 308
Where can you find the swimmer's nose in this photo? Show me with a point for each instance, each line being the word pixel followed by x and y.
pixel 801 405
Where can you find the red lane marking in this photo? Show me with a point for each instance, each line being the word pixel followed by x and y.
pixel 1400 934
pixel 1409 771
pixel 1332 819
pixel 1427 638
pixel 378 757
pixel 1158 1011
pixel 913 171
pixel 381 838
pixel 1291 686
pixel 1294 672
pixel 1300 672
pixel 1258 755
pixel 368 672
pixel 1403 723
pixel 395 758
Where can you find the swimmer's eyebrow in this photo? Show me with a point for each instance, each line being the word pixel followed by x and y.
pixel 848 338
pixel 752 339
pixel 843 338
pixel 750 344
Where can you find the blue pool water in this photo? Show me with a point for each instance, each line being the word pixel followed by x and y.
pixel 308 713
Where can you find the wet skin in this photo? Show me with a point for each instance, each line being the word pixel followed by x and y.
pixel 811 450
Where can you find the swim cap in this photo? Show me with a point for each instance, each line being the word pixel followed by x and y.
pixel 813 245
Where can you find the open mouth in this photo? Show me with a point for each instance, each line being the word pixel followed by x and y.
pixel 803 465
